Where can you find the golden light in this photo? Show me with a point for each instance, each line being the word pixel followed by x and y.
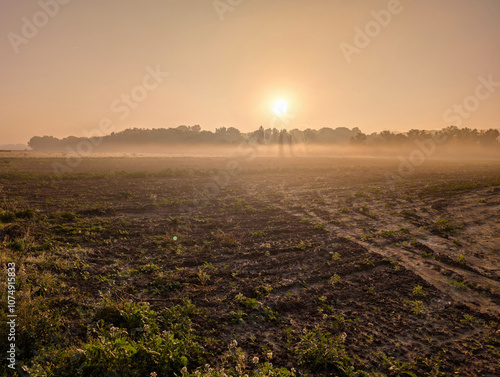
pixel 280 107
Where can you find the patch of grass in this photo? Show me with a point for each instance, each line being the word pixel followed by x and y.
pixel 7 216
pixel 253 304
pixel 263 290
pixel 302 245
pixel 469 319
pixel 366 237
pixel 322 351
pixel 388 234
pixel 336 256
pixel 418 291
pixel 335 279
pixel 415 307
pixel 460 285
pixel 203 276
pixel 128 339
pixel 394 366
pixel 126 194
pixel 318 226
pixel 394 263
pixel 258 234
pixel 444 226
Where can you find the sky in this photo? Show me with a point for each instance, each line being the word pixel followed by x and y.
pixel 80 67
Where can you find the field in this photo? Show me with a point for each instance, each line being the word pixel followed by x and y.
pixel 129 266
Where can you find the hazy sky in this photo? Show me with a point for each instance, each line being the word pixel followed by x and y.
pixel 228 65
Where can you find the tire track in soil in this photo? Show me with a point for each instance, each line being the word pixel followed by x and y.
pixel 436 272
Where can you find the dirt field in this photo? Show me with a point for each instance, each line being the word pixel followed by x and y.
pixel 265 266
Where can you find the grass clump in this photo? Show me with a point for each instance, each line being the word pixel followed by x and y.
pixel 322 351
pixel 129 339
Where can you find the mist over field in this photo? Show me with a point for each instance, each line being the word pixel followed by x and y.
pixel 450 142
pixel 228 188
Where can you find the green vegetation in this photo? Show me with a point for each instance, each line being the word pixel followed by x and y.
pixel 322 351
pixel 415 307
pixel 418 291
pixel 131 274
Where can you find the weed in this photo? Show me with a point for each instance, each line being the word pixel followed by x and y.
pixel 263 290
pixel 126 194
pixel 258 234
pixel 7 216
pixel 469 319
pixel 303 245
pixel 366 237
pixel 335 279
pixel 394 263
pixel 203 276
pixel 394 366
pixel 318 226
pixel 336 256
pixel 387 234
pixel 418 291
pixel 415 307
pixel 444 226
pixel 460 285
pixel 322 351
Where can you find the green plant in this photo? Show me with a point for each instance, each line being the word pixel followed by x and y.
pixel 336 256
pixel 415 307
pixel 394 263
pixel 444 226
pixel 126 194
pixel 259 233
pixel 335 279
pixel 264 290
pixel 322 351
pixel 302 245
pixel 387 234
pixel 418 291
pixel 7 216
pixel 366 237
pixel 460 285
pixel 469 319
pixel 394 366
pixel 203 276
pixel 318 226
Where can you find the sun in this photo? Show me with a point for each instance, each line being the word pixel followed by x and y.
pixel 280 107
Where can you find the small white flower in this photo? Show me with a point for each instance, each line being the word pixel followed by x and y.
pixel 255 360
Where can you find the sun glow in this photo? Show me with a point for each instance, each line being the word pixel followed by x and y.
pixel 280 107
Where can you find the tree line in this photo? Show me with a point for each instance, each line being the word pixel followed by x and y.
pixel 194 135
